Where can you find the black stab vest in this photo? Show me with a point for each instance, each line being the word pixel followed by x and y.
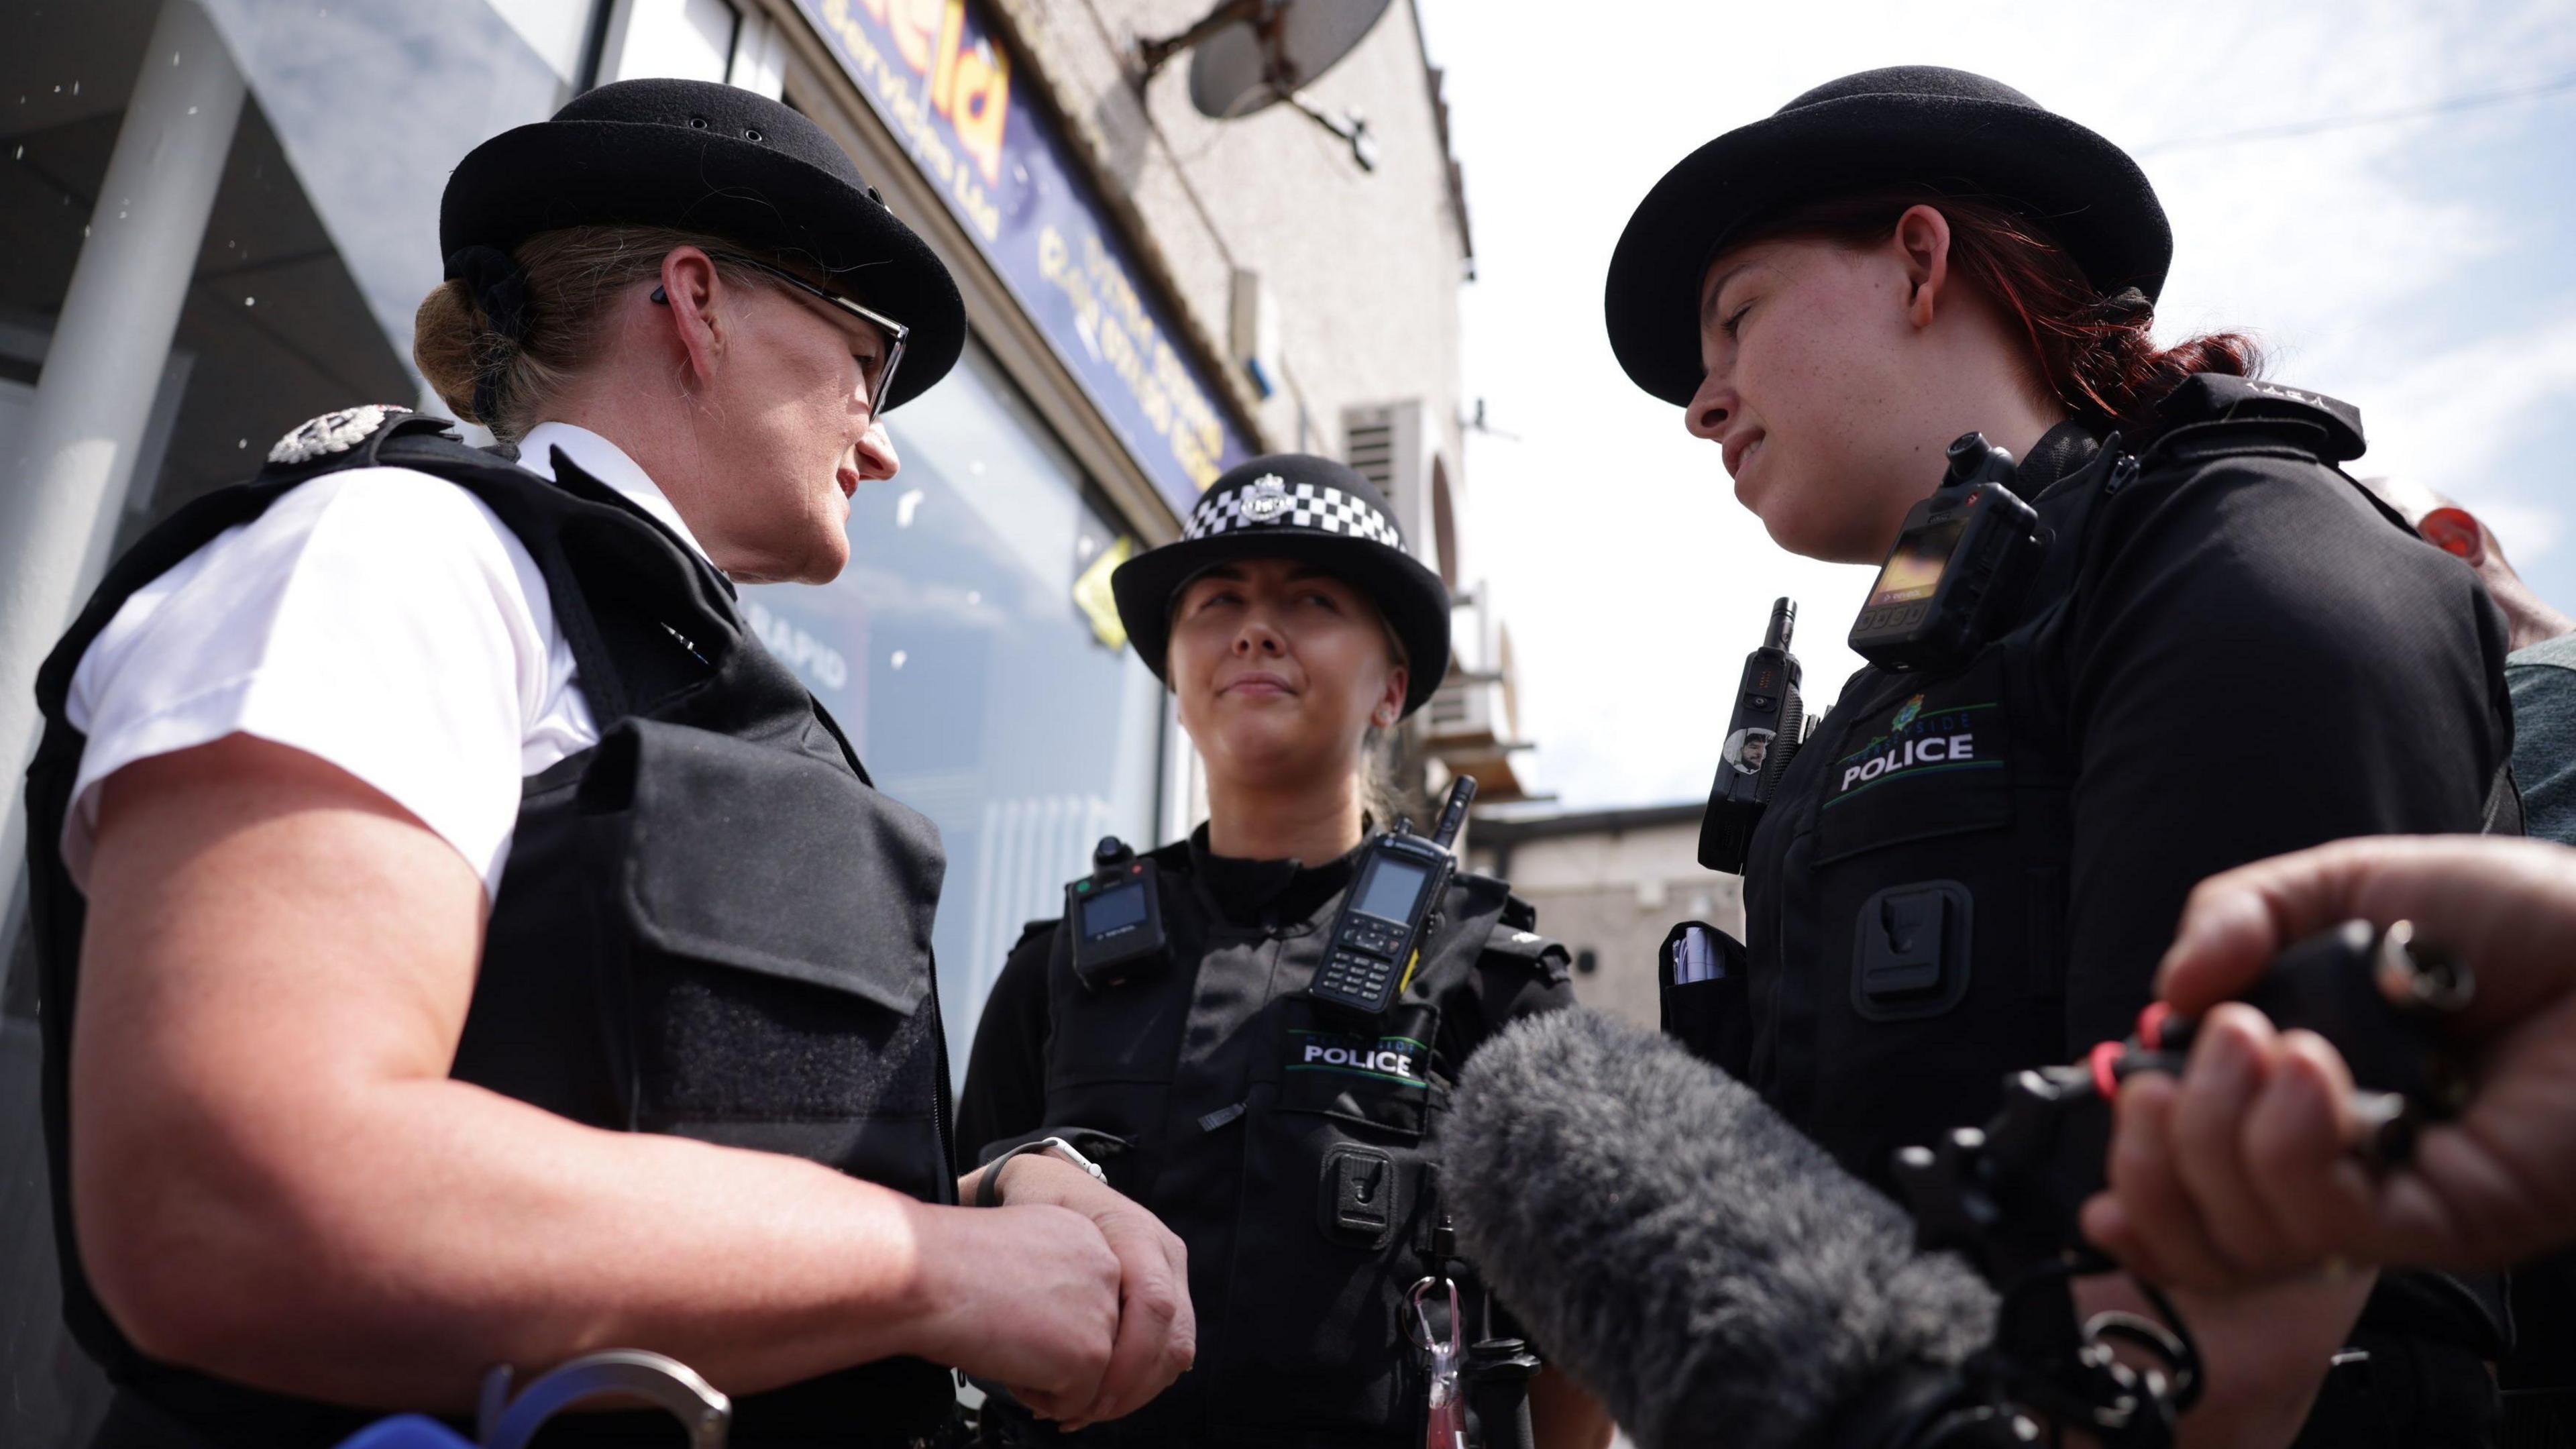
pixel 710 924
pixel 1972 840
pixel 1295 1151
pixel 1968 854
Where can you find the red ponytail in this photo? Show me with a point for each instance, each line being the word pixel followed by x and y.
pixel 2092 352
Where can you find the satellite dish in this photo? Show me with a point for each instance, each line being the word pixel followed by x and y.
pixel 1248 55
pixel 1258 61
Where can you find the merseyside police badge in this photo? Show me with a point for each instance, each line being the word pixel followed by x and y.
pixel 1267 499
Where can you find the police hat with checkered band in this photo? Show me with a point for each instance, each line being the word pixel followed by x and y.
pixel 1309 509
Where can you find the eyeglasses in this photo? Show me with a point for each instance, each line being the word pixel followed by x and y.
pixel 892 334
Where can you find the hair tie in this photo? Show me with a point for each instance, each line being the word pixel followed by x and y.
pixel 499 286
pixel 2127 306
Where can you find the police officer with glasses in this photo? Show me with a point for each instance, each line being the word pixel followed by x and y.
pixel 2198 643
pixel 424 857
pixel 1193 1048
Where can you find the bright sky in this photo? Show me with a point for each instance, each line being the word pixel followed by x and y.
pixel 2417 267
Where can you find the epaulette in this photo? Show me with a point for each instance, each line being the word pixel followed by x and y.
pixel 2333 426
pixel 356 438
pixel 1527 948
pixel 1515 936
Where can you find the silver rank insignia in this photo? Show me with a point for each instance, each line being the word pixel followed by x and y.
pixel 1267 499
pixel 333 433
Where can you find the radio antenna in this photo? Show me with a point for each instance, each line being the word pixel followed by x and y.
pixel 1784 619
pixel 1454 814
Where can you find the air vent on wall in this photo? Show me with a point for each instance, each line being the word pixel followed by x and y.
pixel 1372 452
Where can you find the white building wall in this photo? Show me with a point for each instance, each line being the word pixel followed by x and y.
pixel 1614 894
pixel 1364 267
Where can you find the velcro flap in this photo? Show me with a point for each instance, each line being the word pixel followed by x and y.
pixel 770 860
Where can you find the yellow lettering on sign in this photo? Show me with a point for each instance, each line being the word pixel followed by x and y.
pixel 915 24
pixel 943 73
pixel 980 106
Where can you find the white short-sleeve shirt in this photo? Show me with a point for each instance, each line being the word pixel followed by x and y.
pixel 381 619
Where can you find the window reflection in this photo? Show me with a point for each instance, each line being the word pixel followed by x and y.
pixel 953 653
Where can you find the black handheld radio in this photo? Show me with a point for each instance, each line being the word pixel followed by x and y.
pixel 1959 563
pixel 1766 727
pixel 1117 916
pixel 1377 938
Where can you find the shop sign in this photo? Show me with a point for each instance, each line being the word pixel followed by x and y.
pixel 934 71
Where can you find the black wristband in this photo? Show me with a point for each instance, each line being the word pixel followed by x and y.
pixel 988 1189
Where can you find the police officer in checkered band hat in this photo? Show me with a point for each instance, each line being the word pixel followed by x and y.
pixel 1292 625
pixel 1830 295
pixel 449 883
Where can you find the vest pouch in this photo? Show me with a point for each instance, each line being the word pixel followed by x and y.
pixel 1934 762
pixel 1335 1195
pixel 1109 1067
pixel 1700 982
pixel 1373 1073
pixel 770 917
pixel 1923 903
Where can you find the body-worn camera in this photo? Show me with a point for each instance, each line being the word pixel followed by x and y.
pixel 1959 564
pixel 1117 917
pixel 1765 728
pixel 1377 938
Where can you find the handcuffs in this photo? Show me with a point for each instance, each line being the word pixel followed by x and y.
pixel 666 1383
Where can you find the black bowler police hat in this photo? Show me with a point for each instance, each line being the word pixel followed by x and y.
pixel 1313 510
pixel 1954 132
pixel 720 160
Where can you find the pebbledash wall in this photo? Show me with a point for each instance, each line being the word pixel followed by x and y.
pixel 1610 884
pixel 222 213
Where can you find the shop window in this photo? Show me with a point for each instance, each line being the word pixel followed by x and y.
pixel 953 653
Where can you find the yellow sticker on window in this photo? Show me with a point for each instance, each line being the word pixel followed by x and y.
pixel 1091 593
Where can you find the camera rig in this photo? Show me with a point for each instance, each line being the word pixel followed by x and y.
pixel 2006 1195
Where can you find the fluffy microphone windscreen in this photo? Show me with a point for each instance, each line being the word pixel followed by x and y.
pixel 1713 1275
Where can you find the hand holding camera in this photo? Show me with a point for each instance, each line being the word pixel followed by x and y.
pixel 2239 1170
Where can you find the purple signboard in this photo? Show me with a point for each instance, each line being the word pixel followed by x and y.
pixel 944 85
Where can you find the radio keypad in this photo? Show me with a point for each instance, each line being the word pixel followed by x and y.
pixel 1894 616
pixel 1357 977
